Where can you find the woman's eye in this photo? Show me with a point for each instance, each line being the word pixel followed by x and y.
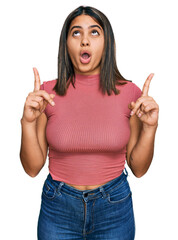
pixel 94 32
pixel 75 33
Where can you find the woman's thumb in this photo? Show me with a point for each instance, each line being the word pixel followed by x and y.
pixel 52 95
pixel 131 105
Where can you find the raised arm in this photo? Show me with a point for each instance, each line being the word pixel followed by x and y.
pixel 143 123
pixel 33 148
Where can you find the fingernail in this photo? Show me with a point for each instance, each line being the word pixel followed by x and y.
pixel 131 113
pixel 53 103
pixel 139 115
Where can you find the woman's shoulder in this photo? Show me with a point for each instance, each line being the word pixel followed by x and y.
pixel 129 85
pixel 131 89
pixel 48 85
pixel 134 87
pixel 134 90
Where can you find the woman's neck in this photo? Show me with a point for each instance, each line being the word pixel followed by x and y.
pixel 87 79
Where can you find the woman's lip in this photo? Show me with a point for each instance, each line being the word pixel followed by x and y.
pixel 85 61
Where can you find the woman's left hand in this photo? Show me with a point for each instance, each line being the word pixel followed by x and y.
pixel 145 107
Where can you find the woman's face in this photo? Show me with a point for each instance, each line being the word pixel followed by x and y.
pixel 85 44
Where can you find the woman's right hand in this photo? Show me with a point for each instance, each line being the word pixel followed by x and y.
pixel 36 101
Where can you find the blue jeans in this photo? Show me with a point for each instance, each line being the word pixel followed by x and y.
pixel 102 213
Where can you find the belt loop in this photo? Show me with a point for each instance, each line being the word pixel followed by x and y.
pixel 126 171
pixel 59 188
pixel 103 192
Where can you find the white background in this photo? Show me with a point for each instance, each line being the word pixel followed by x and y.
pixel 146 42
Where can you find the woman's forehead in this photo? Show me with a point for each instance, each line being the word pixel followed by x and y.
pixel 84 21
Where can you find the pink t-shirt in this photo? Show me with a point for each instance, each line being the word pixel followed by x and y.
pixel 87 131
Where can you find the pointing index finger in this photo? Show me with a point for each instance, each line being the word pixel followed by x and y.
pixel 37 80
pixel 147 84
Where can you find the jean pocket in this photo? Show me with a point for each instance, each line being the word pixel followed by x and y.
pixel 49 190
pixel 120 193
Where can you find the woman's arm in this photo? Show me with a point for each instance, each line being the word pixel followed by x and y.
pixel 140 148
pixel 33 149
pixel 143 124
pixel 34 145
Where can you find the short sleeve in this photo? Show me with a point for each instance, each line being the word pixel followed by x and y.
pixel 42 88
pixel 137 92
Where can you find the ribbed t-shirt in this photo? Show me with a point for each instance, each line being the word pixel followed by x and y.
pixel 87 131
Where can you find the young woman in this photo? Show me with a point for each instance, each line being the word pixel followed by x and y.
pixel 87 123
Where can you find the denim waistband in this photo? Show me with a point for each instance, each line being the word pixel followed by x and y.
pixel 88 194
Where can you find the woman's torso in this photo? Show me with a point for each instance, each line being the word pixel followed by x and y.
pixel 75 155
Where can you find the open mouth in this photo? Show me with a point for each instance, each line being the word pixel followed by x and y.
pixel 85 57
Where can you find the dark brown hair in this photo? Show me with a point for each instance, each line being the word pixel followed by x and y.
pixel 109 73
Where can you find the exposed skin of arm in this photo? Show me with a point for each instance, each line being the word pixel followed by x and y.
pixel 143 126
pixel 33 151
pixel 140 147
pixel 34 146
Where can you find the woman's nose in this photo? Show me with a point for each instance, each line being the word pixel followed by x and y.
pixel 85 41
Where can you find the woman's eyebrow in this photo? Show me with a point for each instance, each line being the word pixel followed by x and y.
pixel 92 26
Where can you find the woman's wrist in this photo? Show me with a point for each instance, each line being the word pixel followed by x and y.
pixel 147 128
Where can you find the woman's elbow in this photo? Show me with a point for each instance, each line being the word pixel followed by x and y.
pixel 139 174
pixel 31 172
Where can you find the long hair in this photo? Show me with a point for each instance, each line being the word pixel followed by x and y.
pixel 109 73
